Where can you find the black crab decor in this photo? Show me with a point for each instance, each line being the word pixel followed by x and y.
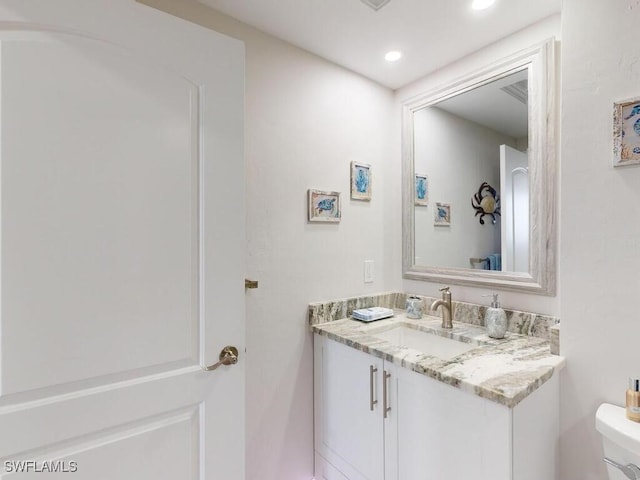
pixel 486 202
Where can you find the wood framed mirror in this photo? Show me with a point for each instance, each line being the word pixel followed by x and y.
pixel 496 125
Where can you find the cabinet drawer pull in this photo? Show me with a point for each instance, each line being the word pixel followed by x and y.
pixel 372 401
pixel 386 407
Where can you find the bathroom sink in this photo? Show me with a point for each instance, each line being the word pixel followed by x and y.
pixel 429 343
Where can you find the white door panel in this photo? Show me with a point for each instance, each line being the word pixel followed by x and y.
pixel 141 449
pixel 107 253
pixel 514 191
pixel 122 242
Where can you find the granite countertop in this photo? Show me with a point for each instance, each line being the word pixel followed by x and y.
pixel 505 371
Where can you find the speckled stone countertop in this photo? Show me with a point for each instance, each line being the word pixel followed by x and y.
pixel 505 371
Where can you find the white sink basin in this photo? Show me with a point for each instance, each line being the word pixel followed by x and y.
pixel 429 343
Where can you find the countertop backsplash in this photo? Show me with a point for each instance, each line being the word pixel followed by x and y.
pixel 524 323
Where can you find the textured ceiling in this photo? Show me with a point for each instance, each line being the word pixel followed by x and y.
pixel 431 33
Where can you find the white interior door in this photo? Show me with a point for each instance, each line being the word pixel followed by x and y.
pixel 514 199
pixel 122 243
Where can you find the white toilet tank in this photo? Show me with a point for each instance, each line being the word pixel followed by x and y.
pixel 620 438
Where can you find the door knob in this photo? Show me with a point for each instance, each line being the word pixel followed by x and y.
pixel 228 356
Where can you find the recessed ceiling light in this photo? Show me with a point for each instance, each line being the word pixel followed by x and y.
pixel 393 56
pixel 482 4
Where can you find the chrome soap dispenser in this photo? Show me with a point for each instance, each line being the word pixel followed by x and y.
pixel 495 319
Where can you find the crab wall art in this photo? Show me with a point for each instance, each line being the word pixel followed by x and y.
pixel 486 202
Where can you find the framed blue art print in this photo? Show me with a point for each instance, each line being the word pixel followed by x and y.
pixel 360 181
pixel 626 132
pixel 323 206
pixel 421 190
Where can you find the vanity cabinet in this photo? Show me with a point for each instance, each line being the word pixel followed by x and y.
pixel 349 426
pixel 430 430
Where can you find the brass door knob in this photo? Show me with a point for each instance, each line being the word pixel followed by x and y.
pixel 228 356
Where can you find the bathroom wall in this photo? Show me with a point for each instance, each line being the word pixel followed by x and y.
pixel 532 35
pixel 441 135
pixel 600 225
pixel 306 120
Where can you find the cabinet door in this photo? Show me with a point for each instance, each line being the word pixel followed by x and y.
pixel 444 433
pixel 348 428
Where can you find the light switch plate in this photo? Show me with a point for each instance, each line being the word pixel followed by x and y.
pixel 368 271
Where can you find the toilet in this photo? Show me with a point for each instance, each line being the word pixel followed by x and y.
pixel 620 439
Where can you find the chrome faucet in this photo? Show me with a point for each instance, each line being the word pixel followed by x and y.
pixel 447 308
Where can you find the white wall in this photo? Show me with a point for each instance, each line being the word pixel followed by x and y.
pixel 316 117
pixel 600 225
pixel 537 33
pixel 457 155
pixel 306 120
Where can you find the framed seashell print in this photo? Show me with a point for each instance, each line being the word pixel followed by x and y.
pixel 626 132
pixel 360 181
pixel 323 206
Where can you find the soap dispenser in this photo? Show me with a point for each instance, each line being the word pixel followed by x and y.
pixel 495 319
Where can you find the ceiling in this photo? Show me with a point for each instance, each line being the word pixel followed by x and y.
pixel 430 33
pixel 493 107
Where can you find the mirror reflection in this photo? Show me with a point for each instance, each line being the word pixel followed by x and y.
pixel 471 166
pixel 452 145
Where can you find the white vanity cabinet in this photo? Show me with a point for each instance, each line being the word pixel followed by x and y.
pixel 431 431
pixel 349 428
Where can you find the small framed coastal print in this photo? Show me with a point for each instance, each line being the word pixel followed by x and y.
pixel 360 181
pixel 323 206
pixel 626 132
pixel 421 190
pixel 442 216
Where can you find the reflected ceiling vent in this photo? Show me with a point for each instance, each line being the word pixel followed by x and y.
pixel 518 90
pixel 376 4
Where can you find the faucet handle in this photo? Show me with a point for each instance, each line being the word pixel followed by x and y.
pixel 446 294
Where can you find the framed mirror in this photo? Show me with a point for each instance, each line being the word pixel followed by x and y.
pixel 479 177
